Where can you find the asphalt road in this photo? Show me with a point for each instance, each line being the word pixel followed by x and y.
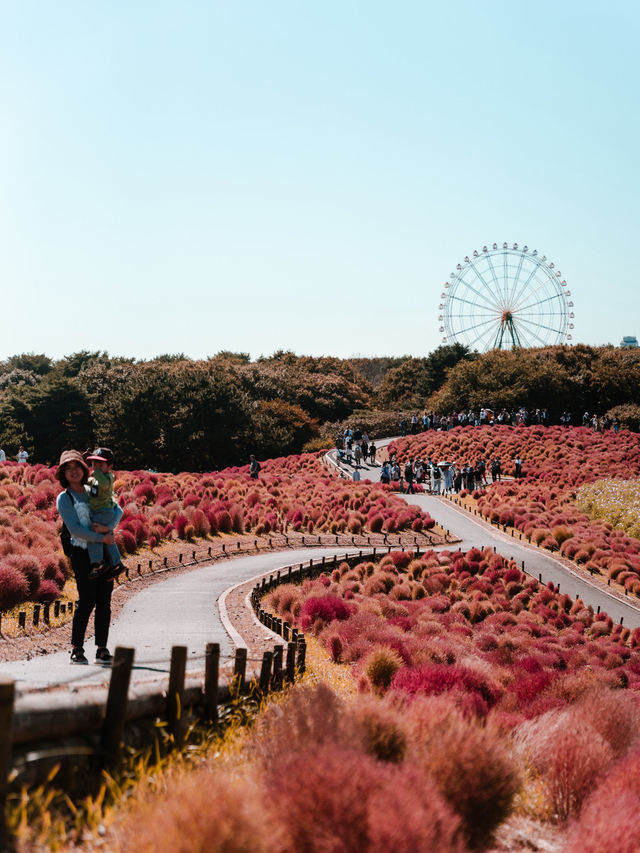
pixel 179 611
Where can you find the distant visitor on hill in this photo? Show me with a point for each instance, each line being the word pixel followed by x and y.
pixel 254 467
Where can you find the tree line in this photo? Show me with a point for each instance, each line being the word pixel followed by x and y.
pixel 172 413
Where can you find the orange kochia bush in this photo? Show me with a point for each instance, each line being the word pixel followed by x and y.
pixel 556 462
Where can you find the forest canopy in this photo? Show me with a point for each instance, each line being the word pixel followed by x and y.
pixel 173 413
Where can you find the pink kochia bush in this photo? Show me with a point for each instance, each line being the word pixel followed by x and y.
pixel 557 461
pixel 292 493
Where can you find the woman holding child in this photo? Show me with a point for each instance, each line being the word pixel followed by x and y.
pixel 74 507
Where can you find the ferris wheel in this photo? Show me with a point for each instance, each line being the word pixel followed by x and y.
pixel 506 297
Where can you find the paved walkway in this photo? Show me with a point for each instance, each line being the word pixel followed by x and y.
pixel 179 611
pixel 185 610
pixel 537 562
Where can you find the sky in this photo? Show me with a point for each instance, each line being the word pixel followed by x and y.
pixel 192 177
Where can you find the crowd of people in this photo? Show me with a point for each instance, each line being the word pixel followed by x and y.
pixel 355 447
pixel 444 477
pixel 487 417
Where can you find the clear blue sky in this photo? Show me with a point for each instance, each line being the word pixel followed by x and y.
pixel 200 176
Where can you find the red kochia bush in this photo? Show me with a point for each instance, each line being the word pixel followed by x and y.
pixel 332 799
pixel 14 587
pixel 433 679
pixel 401 559
pixel 126 541
pixel 325 608
pixel 48 591
pixel 29 566
pixel 145 492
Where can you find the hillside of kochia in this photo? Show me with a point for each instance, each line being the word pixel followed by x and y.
pixel 173 414
pixel 556 461
pixel 293 493
pixel 514 687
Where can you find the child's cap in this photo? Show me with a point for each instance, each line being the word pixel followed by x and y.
pixel 101 454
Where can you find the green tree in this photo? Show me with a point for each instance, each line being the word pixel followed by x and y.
pixel 54 415
pixel 410 383
pixel 38 363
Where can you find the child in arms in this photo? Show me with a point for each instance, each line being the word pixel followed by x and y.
pixel 102 503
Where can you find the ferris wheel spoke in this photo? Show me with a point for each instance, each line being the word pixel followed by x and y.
pixel 552 329
pixel 555 297
pixel 515 281
pixel 492 311
pixel 524 288
pixel 530 293
pixel 505 278
pixel 486 332
pixel 473 327
pixel 488 289
pixel 481 296
pixel 483 337
pixel 495 278
pixel 530 341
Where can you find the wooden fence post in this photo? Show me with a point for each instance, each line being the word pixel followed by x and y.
pixel 175 693
pixel 7 697
pixel 302 655
pixel 265 672
pixel 240 668
pixel 211 679
pixel 116 710
pixel 291 662
pixel 277 667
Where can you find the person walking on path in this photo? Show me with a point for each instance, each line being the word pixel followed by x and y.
pixel 436 475
pixel 517 464
pixel 73 507
pixel 409 477
pixel 357 455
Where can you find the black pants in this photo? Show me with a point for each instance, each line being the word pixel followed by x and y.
pixel 91 594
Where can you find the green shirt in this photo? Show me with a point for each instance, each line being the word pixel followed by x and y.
pixel 100 491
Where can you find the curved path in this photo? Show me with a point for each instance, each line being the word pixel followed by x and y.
pixel 183 610
pixel 535 561
pixel 189 609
